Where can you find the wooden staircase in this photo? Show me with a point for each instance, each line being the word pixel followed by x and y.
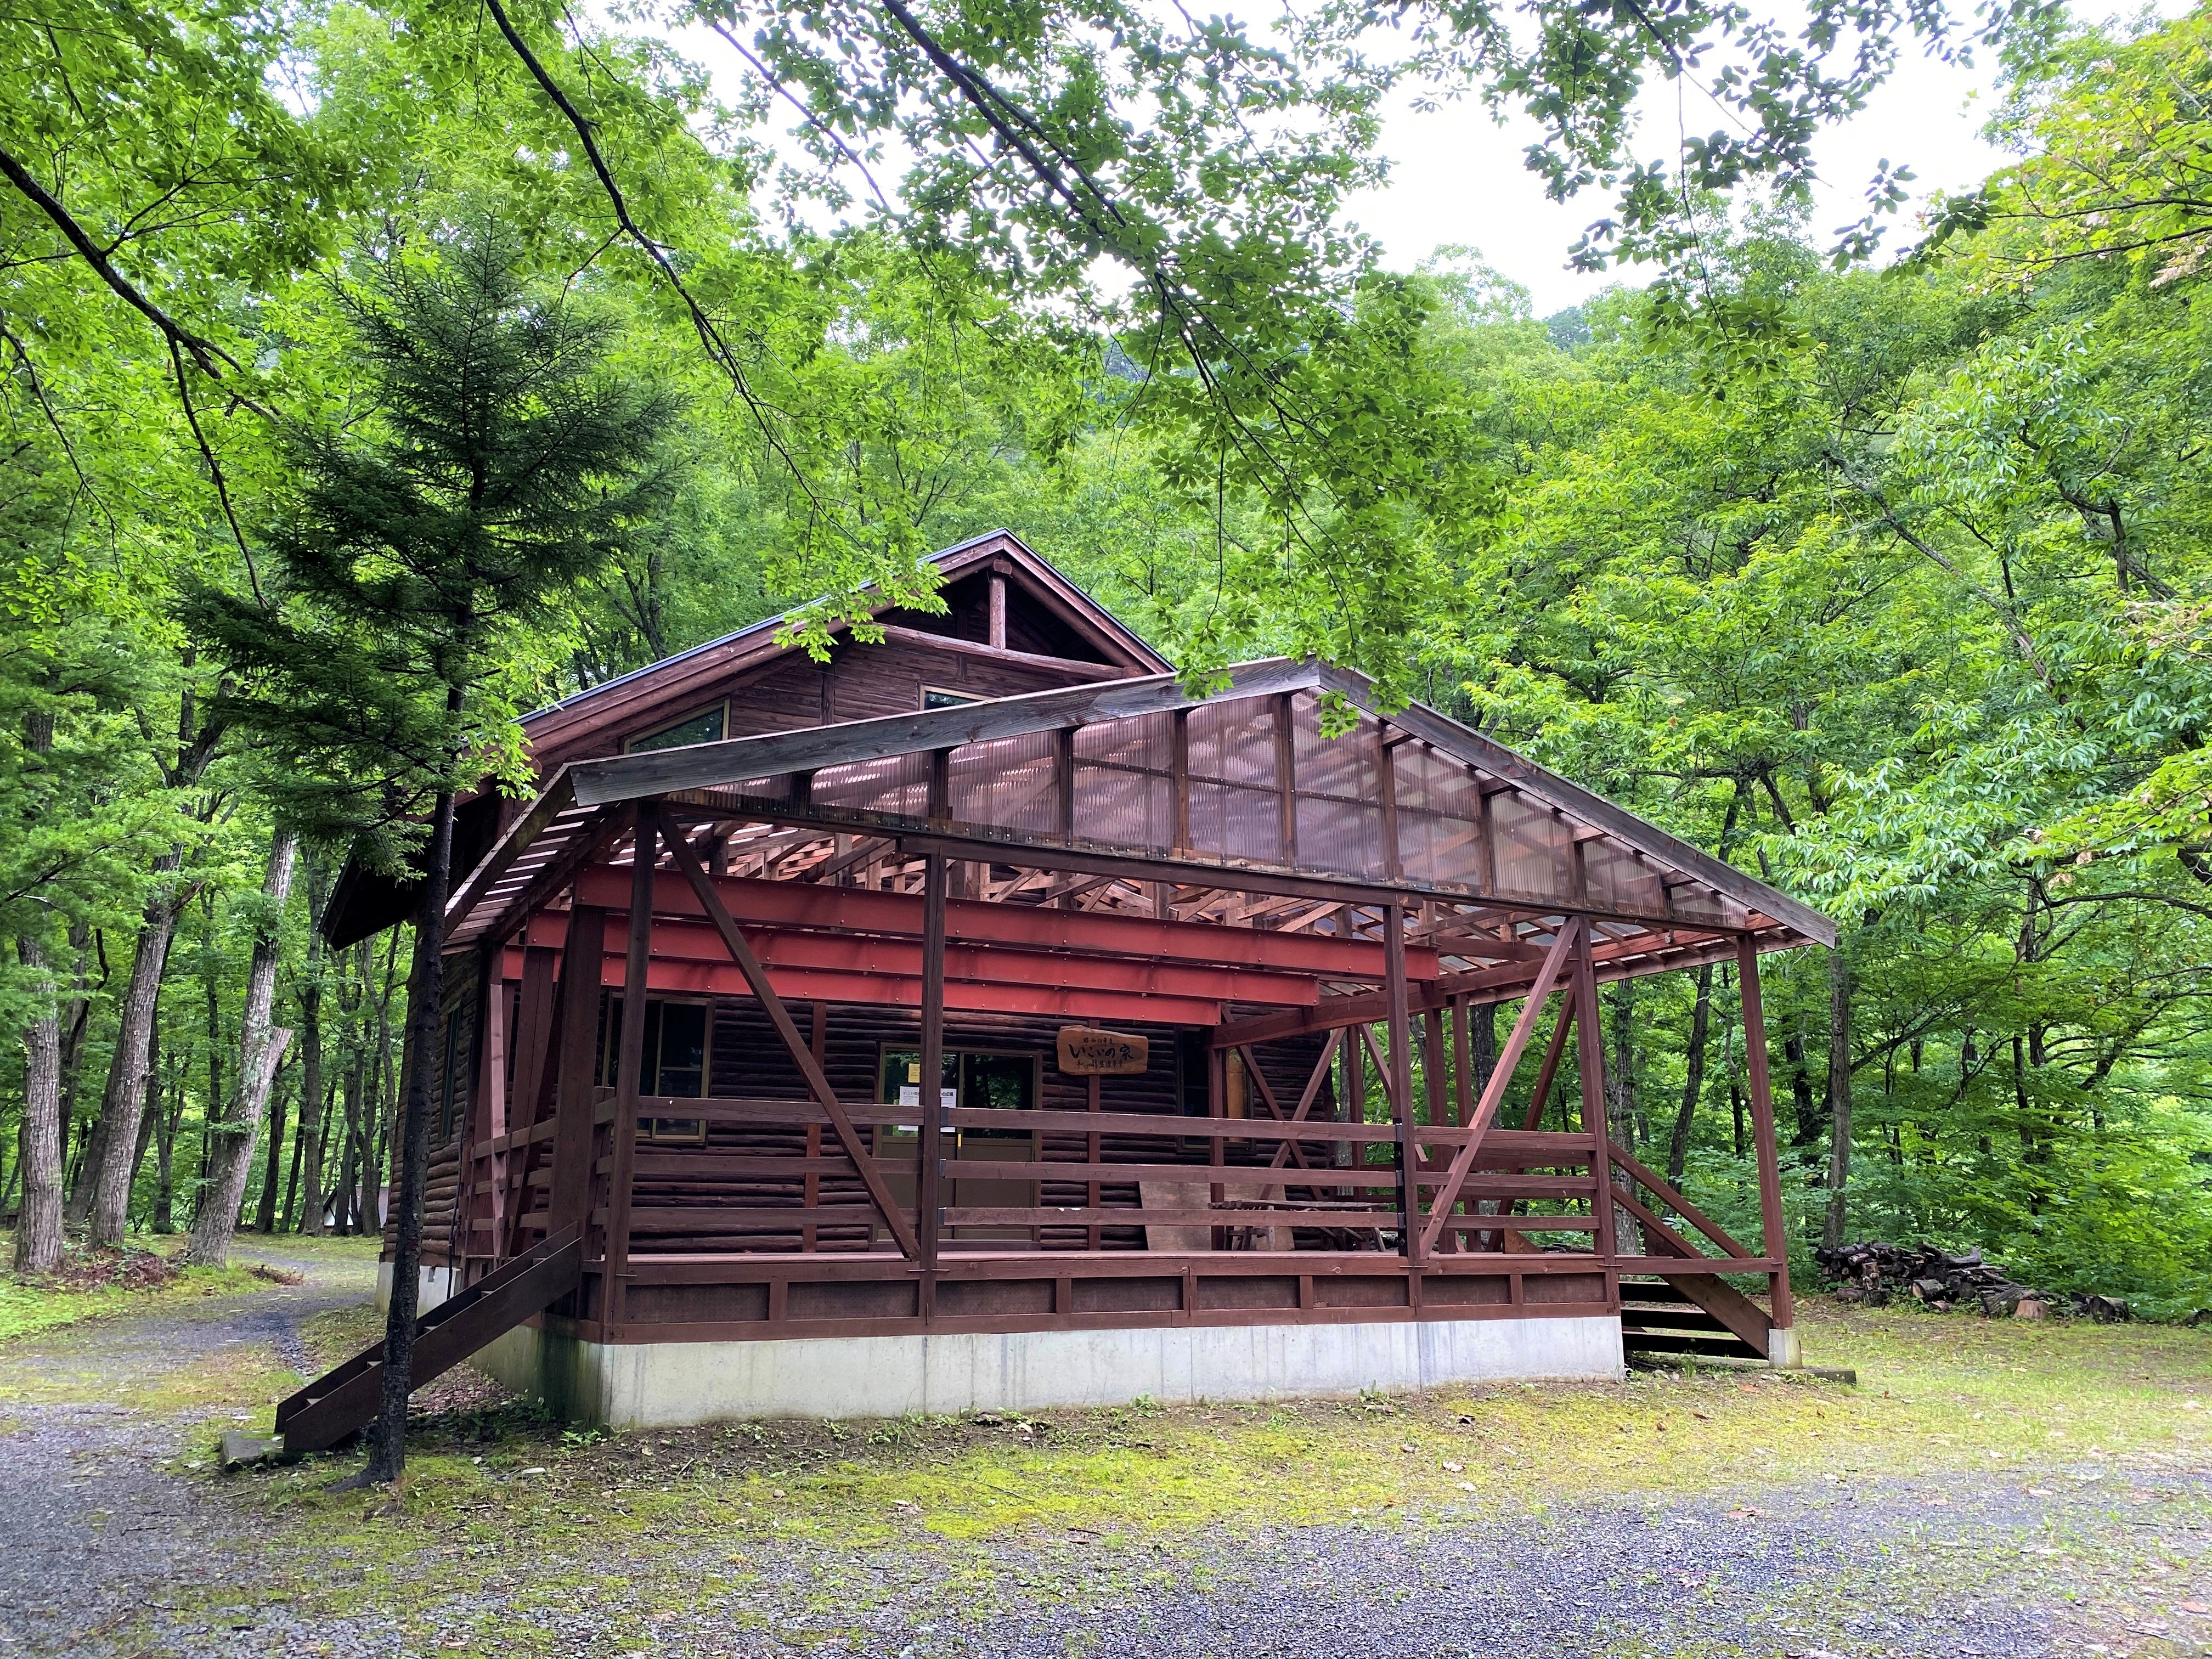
pixel 344 1400
pixel 1690 1317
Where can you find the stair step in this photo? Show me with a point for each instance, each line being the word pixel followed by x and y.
pixel 344 1399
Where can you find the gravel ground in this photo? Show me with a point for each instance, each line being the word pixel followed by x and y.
pixel 105 1549
pixel 92 1523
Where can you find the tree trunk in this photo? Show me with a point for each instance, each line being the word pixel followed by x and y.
pixel 1482 1046
pixel 307 1144
pixel 76 1021
pixel 260 1047
pixel 1693 1081
pixel 1809 1115
pixel 1620 1076
pixel 128 1071
pixel 349 1153
pixel 290 1221
pixel 165 1159
pixel 39 1226
pixel 387 1450
pixel 1839 1098
pixel 264 1219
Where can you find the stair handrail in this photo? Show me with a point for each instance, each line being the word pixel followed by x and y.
pixel 1674 1201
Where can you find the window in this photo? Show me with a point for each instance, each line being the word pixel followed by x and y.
pixel 975 1077
pixel 938 697
pixel 451 1089
pixel 705 725
pixel 676 1042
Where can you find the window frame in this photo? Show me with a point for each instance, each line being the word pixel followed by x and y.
pixel 660 1131
pixel 953 695
pixel 635 745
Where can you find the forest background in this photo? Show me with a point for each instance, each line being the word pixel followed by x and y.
pixel 1890 585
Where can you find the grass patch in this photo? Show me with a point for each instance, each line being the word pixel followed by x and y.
pixel 94 1283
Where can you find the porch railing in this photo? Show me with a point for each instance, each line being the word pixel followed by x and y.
pixel 761 1182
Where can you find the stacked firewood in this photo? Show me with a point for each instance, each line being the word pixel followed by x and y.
pixel 1873 1272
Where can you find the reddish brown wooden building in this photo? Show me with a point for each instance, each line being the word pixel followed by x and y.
pixel 1199 987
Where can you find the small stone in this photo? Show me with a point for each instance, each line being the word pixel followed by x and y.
pixel 1453 1468
pixel 535 1471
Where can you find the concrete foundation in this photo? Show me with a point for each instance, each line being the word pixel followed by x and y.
pixel 432 1286
pixel 634 1385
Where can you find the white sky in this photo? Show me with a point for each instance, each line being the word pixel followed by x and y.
pixel 1458 177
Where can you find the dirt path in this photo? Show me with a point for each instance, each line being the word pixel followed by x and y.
pixel 672 1543
pixel 98 1423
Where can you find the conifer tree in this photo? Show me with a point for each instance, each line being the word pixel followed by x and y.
pixel 428 541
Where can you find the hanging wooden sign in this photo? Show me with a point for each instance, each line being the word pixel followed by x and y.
pixel 1085 1051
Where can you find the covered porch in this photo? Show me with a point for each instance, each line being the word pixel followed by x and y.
pixel 1205 992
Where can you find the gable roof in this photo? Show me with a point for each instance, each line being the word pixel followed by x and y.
pixel 1467 821
pixel 673 678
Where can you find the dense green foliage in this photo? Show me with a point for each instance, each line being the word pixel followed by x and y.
pixel 1890 585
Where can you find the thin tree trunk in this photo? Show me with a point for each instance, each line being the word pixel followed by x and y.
pixel 290 1221
pixel 130 1071
pixel 1693 1081
pixel 348 1153
pixel 1839 1099
pixel 1810 1119
pixel 387 1450
pixel 76 1021
pixel 264 1219
pixel 260 1047
pixel 165 1156
pixel 39 1227
pixel 307 1142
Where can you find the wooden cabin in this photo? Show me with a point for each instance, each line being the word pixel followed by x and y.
pixel 981 1019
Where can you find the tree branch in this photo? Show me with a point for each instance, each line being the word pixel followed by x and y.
pixel 205 353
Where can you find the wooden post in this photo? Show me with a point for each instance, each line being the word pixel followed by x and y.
pixel 996 626
pixel 1401 1077
pixel 580 959
pixel 630 1068
pixel 486 1121
pixel 1386 779
pixel 1435 1070
pixel 1179 776
pixel 1590 1056
pixel 818 1043
pixel 1063 784
pixel 929 1152
pixel 1773 1230
pixel 1355 1102
pixel 1217 1109
pixel 1091 1152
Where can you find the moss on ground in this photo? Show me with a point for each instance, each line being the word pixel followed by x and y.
pixel 542 1508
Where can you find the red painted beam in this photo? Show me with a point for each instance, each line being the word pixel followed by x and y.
pixel 803 904
pixel 680 978
pixel 860 953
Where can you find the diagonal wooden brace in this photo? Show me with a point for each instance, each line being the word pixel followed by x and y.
pixel 1311 1093
pixel 801 1053
pixel 1493 1093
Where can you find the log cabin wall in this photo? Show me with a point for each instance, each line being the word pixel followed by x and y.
pixel 746 1060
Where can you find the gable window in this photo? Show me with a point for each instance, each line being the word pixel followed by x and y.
pixel 701 726
pixel 939 697
pixel 676 1048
